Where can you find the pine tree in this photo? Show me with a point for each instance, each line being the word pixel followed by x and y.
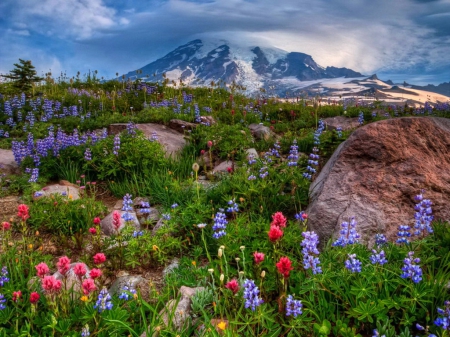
pixel 23 75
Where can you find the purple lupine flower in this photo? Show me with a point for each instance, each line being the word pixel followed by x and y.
pixel 87 154
pixel 403 234
pixel 137 234
pixel 251 177
pixel 85 331
pixel 220 224
pixel 131 128
pixel 4 276
pixel 127 203
pixel 309 244
pixel 2 300
pixel 353 264
pixel 361 118
pixel 380 239
pixel 377 334
pixel 233 206
pixel 175 205
pixel 348 234
pixel 378 258
pixel 423 215
pixel 318 132
pixel 263 172
pixel 411 269
pixel 443 321
pixel 293 154
pixel 34 174
pixel 116 145
pixel 251 159
pixel 128 292
pixel 103 301
pixel 339 131
pixel 251 293
pixel 293 307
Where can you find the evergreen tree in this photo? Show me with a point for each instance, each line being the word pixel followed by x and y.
pixel 23 75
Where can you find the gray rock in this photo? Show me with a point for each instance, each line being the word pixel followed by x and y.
pixel 72 192
pixel 173 265
pixel 252 152
pixel 260 132
pixel 223 167
pixel 171 140
pixel 8 164
pixel 127 280
pixel 181 126
pixel 346 123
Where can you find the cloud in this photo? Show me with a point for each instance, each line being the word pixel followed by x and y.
pixel 404 36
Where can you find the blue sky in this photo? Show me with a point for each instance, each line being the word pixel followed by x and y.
pixel 397 39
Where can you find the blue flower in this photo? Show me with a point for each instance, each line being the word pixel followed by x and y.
pixel 411 269
pixel 4 276
pixel 103 301
pixel 2 300
pixel 127 292
pixel 353 264
pixel 233 206
pixel 349 235
pixel 403 234
pixel 293 307
pixel 443 321
pixel 251 293
pixel 378 258
pixel 220 224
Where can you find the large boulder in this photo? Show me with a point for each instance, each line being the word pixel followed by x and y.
pixel 375 174
pixel 8 164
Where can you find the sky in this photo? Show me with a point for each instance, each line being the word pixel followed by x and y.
pixel 401 40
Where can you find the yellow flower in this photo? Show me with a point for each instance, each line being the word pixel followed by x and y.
pixel 222 325
pixel 70 196
pixel 30 246
pixel 194 263
pixel 155 247
pixel 84 298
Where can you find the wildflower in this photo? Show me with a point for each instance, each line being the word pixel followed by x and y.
pixel 209 143
pixel 95 273
pixel 88 154
pixel 127 291
pixel 423 215
pixel 220 224
pixel 23 212
pixel 16 295
pixel 258 257
pixel 116 220
pixel 84 298
pixel 377 334
pixel 251 293
pixel 233 285
pixel 97 221
pixel 222 325
pixel 302 216
pixel 85 331
pixel 137 234
pixel 380 239
pixel 411 269
pixel 419 327
pixel 361 118
pixel 309 244
pixel 63 265
pixel 42 269
pixel 6 226
pixel 92 230
pixel 233 206
pixel 80 270
pixel 349 235
pixel 103 301
pixel 284 266
pixel 4 276
pixel 99 258
pixel 293 307
pixel 403 234
pixel 166 216
pixel 2 300
pixel 279 220
pixel 443 321
pixel 353 264
pixel 293 154
pixel 275 233
pixel 201 225
pixel 251 177
pixel 116 147
pixel 50 284
pixel 34 297
pixel 378 258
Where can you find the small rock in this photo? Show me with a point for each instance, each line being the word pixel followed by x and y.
pixel 173 265
pixel 181 126
pixel 71 192
pixel 260 132
pixel 126 280
pixel 223 166
pixel 346 123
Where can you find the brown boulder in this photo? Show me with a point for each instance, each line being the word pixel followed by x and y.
pixel 346 123
pixel 375 174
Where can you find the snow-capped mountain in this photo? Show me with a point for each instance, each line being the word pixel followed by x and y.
pixel 203 62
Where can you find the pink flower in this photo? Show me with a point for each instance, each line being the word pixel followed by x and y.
pixel 34 297
pixel 79 270
pixel 16 295
pixel 99 258
pixel 209 143
pixel 275 233
pixel 279 220
pixel 97 220
pixel 202 152
pixel 6 226
pixel 92 230
pixel 95 273
pixel 23 212
pixel 63 265
pixel 42 269
pixel 233 285
pixel 116 220
pixel 259 257
pixel 284 266
pixel 229 169
pixel 88 286
pixel 50 284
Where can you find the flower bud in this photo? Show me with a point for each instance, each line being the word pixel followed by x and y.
pixel 263 274
pixel 237 259
pixel 241 273
pixel 220 252
pixel 242 248
pixel 222 277
pixel 195 167
pixel 211 270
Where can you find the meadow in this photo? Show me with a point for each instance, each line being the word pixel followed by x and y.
pixel 241 234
